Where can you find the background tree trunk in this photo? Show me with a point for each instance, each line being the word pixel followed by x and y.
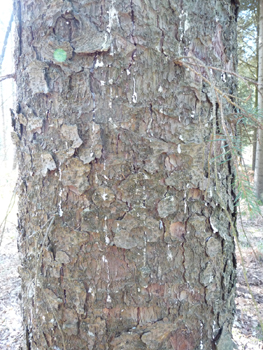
pixel 123 241
pixel 4 111
pixel 259 150
pixel 255 132
pixel 254 151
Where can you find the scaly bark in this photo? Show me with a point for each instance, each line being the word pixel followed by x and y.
pixel 123 241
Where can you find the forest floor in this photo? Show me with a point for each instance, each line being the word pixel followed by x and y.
pixel 247 333
pixel 11 333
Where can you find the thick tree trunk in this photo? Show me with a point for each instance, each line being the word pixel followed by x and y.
pixel 124 242
pixel 259 149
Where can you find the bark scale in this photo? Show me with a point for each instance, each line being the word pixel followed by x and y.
pixel 123 241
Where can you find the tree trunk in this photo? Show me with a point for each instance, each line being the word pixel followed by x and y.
pixel 255 131
pixel 259 149
pixel 124 241
pixel 254 148
pixel 3 147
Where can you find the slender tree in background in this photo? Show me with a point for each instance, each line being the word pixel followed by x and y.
pixel 247 34
pixel 123 230
pixel 3 138
pixel 259 153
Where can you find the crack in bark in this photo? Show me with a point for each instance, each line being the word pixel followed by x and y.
pixel 133 22
pixel 28 343
pixel 184 259
pixel 170 6
pixel 151 120
pixel 61 274
pixel 162 37
pixel 64 297
pixel 138 316
pixel 91 86
pixel 19 26
pixel 121 217
pixel 162 226
pixel 183 262
pixel 86 300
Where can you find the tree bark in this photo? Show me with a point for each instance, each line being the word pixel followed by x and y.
pixel 255 132
pixel 259 149
pixel 254 147
pixel 124 241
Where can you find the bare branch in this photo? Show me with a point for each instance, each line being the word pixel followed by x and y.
pixel 8 76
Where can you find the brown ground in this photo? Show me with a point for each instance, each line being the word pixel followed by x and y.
pixel 10 314
pixel 247 332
